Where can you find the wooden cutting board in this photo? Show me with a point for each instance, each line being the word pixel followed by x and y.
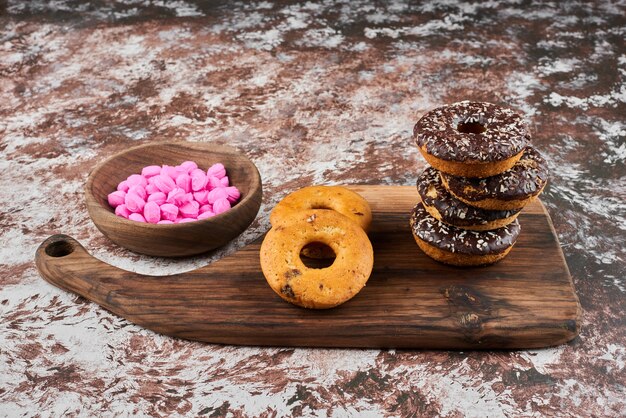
pixel 410 301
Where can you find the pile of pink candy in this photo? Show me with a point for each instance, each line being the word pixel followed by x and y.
pixel 168 195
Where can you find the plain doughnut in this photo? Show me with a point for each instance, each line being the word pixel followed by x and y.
pixel 336 198
pixel 312 287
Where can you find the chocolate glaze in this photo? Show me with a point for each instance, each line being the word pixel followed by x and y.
pixel 525 179
pixel 505 133
pixel 462 241
pixel 452 210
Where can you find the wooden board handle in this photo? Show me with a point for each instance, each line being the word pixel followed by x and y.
pixel 63 262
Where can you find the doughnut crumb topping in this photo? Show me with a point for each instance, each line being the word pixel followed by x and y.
pixel 526 178
pixel 453 211
pixel 462 241
pixel 472 131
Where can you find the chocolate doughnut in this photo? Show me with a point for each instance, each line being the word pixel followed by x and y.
pixel 471 139
pixel 460 247
pixel 441 205
pixel 512 189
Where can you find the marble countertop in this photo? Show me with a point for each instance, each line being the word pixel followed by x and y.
pixel 318 92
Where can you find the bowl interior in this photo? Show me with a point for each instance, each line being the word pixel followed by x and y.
pixel 240 170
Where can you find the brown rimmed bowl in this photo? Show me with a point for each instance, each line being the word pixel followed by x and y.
pixel 174 240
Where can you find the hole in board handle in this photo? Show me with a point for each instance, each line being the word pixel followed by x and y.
pixel 59 249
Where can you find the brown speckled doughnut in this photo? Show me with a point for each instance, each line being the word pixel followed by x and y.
pixel 471 139
pixel 317 288
pixel 337 198
pixel 510 190
pixel 446 208
pixel 461 247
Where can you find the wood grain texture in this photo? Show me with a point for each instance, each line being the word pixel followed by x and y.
pixel 525 301
pixel 178 239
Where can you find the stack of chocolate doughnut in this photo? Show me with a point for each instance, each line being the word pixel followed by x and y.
pixel 483 172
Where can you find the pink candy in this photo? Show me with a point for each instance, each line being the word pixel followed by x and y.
pixel 206 215
pixel 158 197
pixel 152 212
pixel 216 170
pixel 134 203
pixel 201 197
pixel 137 217
pixel 139 191
pixel 169 212
pixel 164 183
pixel 167 195
pixel 122 211
pixel 170 171
pixel 177 196
pixel 214 183
pixel 116 198
pixel 185 220
pixel 218 193
pixel 150 171
pixel 221 205
pixel 136 179
pixel 198 180
pixel 123 186
pixel 184 182
pixel 188 166
pixel 233 194
pixel 190 209
pixel 151 188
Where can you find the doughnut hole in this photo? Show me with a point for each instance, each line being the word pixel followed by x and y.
pixel 471 127
pixel 317 255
